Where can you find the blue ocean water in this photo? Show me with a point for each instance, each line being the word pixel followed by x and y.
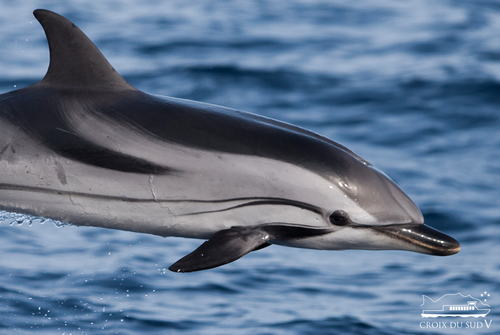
pixel 413 87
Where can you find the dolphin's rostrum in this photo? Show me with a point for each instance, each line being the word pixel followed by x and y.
pixel 84 146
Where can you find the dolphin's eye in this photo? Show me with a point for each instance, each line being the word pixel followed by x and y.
pixel 339 218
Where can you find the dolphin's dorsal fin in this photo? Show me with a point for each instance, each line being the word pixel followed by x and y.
pixel 75 62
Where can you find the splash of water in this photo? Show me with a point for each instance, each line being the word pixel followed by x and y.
pixel 11 219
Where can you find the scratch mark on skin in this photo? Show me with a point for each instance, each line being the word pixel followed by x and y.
pixel 74 201
pixel 63 130
pixel 4 149
pixel 151 177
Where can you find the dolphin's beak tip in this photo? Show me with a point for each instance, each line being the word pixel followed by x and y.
pixel 452 248
pixel 446 245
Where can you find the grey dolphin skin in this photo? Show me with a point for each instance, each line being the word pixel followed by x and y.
pixel 83 146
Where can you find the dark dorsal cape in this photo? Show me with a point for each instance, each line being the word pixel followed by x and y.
pixel 79 73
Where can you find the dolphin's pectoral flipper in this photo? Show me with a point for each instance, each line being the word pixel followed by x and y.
pixel 223 247
pixel 228 245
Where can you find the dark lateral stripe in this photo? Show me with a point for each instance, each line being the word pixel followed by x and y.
pixel 252 200
pixel 34 189
pixel 270 201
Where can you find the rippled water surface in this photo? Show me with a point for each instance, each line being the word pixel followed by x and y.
pixel 411 86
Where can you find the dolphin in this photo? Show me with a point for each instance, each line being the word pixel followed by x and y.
pixel 85 147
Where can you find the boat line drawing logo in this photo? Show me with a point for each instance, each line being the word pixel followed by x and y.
pixel 456 305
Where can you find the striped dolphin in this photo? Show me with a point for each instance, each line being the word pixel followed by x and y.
pixel 84 146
